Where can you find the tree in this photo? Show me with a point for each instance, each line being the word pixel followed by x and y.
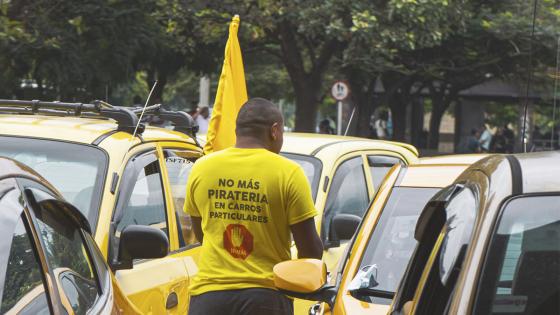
pixel 303 35
pixel 73 50
pixel 439 47
pixel 180 41
pixel 384 37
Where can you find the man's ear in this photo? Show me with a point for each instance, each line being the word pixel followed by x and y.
pixel 274 131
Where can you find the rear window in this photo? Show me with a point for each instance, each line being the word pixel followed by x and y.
pixel 76 170
pixel 311 166
pixel 521 273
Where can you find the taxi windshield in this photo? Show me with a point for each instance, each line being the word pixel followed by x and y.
pixel 311 167
pixel 76 170
pixel 392 243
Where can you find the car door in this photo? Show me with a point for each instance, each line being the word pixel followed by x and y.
pixel 348 193
pixel 155 286
pixel 442 268
pixel 50 246
pixel 356 178
pixel 23 285
pixel 177 162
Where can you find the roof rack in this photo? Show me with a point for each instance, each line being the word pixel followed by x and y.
pixel 181 121
pixel 126 119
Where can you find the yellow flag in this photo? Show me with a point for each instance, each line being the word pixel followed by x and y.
pixel 231 95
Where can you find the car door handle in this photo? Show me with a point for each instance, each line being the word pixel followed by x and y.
pixel 172 300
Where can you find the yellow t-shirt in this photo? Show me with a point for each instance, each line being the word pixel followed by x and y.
pixel 247 199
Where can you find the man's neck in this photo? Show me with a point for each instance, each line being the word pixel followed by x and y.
pixel 250 143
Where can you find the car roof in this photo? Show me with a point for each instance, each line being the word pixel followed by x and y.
pixel 435 176
pixel 464 159
pixel 75 129
pixel 312 143
pixel 539 171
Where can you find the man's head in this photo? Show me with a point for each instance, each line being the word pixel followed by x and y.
pixel 260 123
pixel 204 112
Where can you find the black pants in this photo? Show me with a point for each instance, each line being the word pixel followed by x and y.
pixel 253 301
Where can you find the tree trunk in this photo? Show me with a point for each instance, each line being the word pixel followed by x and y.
pixel 397 95
pixel 397 104
pixel 441 99
pixel 307 83
pixel 435 123
pixel 417 123
pixel 362 97
pixel 306 105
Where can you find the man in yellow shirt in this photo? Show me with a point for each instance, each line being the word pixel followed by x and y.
pixel 244 202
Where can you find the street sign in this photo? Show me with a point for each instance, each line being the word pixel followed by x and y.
pixel 340 91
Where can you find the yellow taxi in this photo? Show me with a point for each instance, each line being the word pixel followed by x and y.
pixel 88 152
pixel 370 270
pixel 490 242
pixel 344 174
pixel 50 263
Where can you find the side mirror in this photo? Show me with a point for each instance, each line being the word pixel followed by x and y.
pixel 305 279
pixel 345 225
pixel 141 242
pixel 364 280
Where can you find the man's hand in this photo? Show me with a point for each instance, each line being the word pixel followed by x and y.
pixel 197 228
pixel 307 240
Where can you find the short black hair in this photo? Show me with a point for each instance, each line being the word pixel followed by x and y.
pixel 256 117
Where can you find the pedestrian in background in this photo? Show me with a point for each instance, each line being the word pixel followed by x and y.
pixel 244 203
pixel 381 125
pixel 499 142
pixel 325 127
pixel 471 144
pixel 510 138
pixel 485 138
pixel 202 118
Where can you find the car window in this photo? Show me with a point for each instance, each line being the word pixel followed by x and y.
pixel 348 192
pixel 460 221
pixel 76 170
pixel 66 253
pixel 443 274
pixel 521 274
pixel 22 288
pixel 311 166
pixel 179 164
pixel 144 204
pixel 379 166
pixel 392 242
pixel 141 200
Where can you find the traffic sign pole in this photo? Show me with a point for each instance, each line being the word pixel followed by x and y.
pixel 339 119
pixel 339 92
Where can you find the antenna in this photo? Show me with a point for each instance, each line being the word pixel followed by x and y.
pixel 144 109
pixel 529 79
pixel 556 75
pixel 350 121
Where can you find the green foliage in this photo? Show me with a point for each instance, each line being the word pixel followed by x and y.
pixel 293 49
pixel 73 49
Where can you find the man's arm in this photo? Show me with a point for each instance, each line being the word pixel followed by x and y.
pixel 307 240
pixel 197 227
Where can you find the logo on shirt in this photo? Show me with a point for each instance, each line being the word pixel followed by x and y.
pixel 238 241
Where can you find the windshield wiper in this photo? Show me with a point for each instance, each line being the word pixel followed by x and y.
pixel 375 292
